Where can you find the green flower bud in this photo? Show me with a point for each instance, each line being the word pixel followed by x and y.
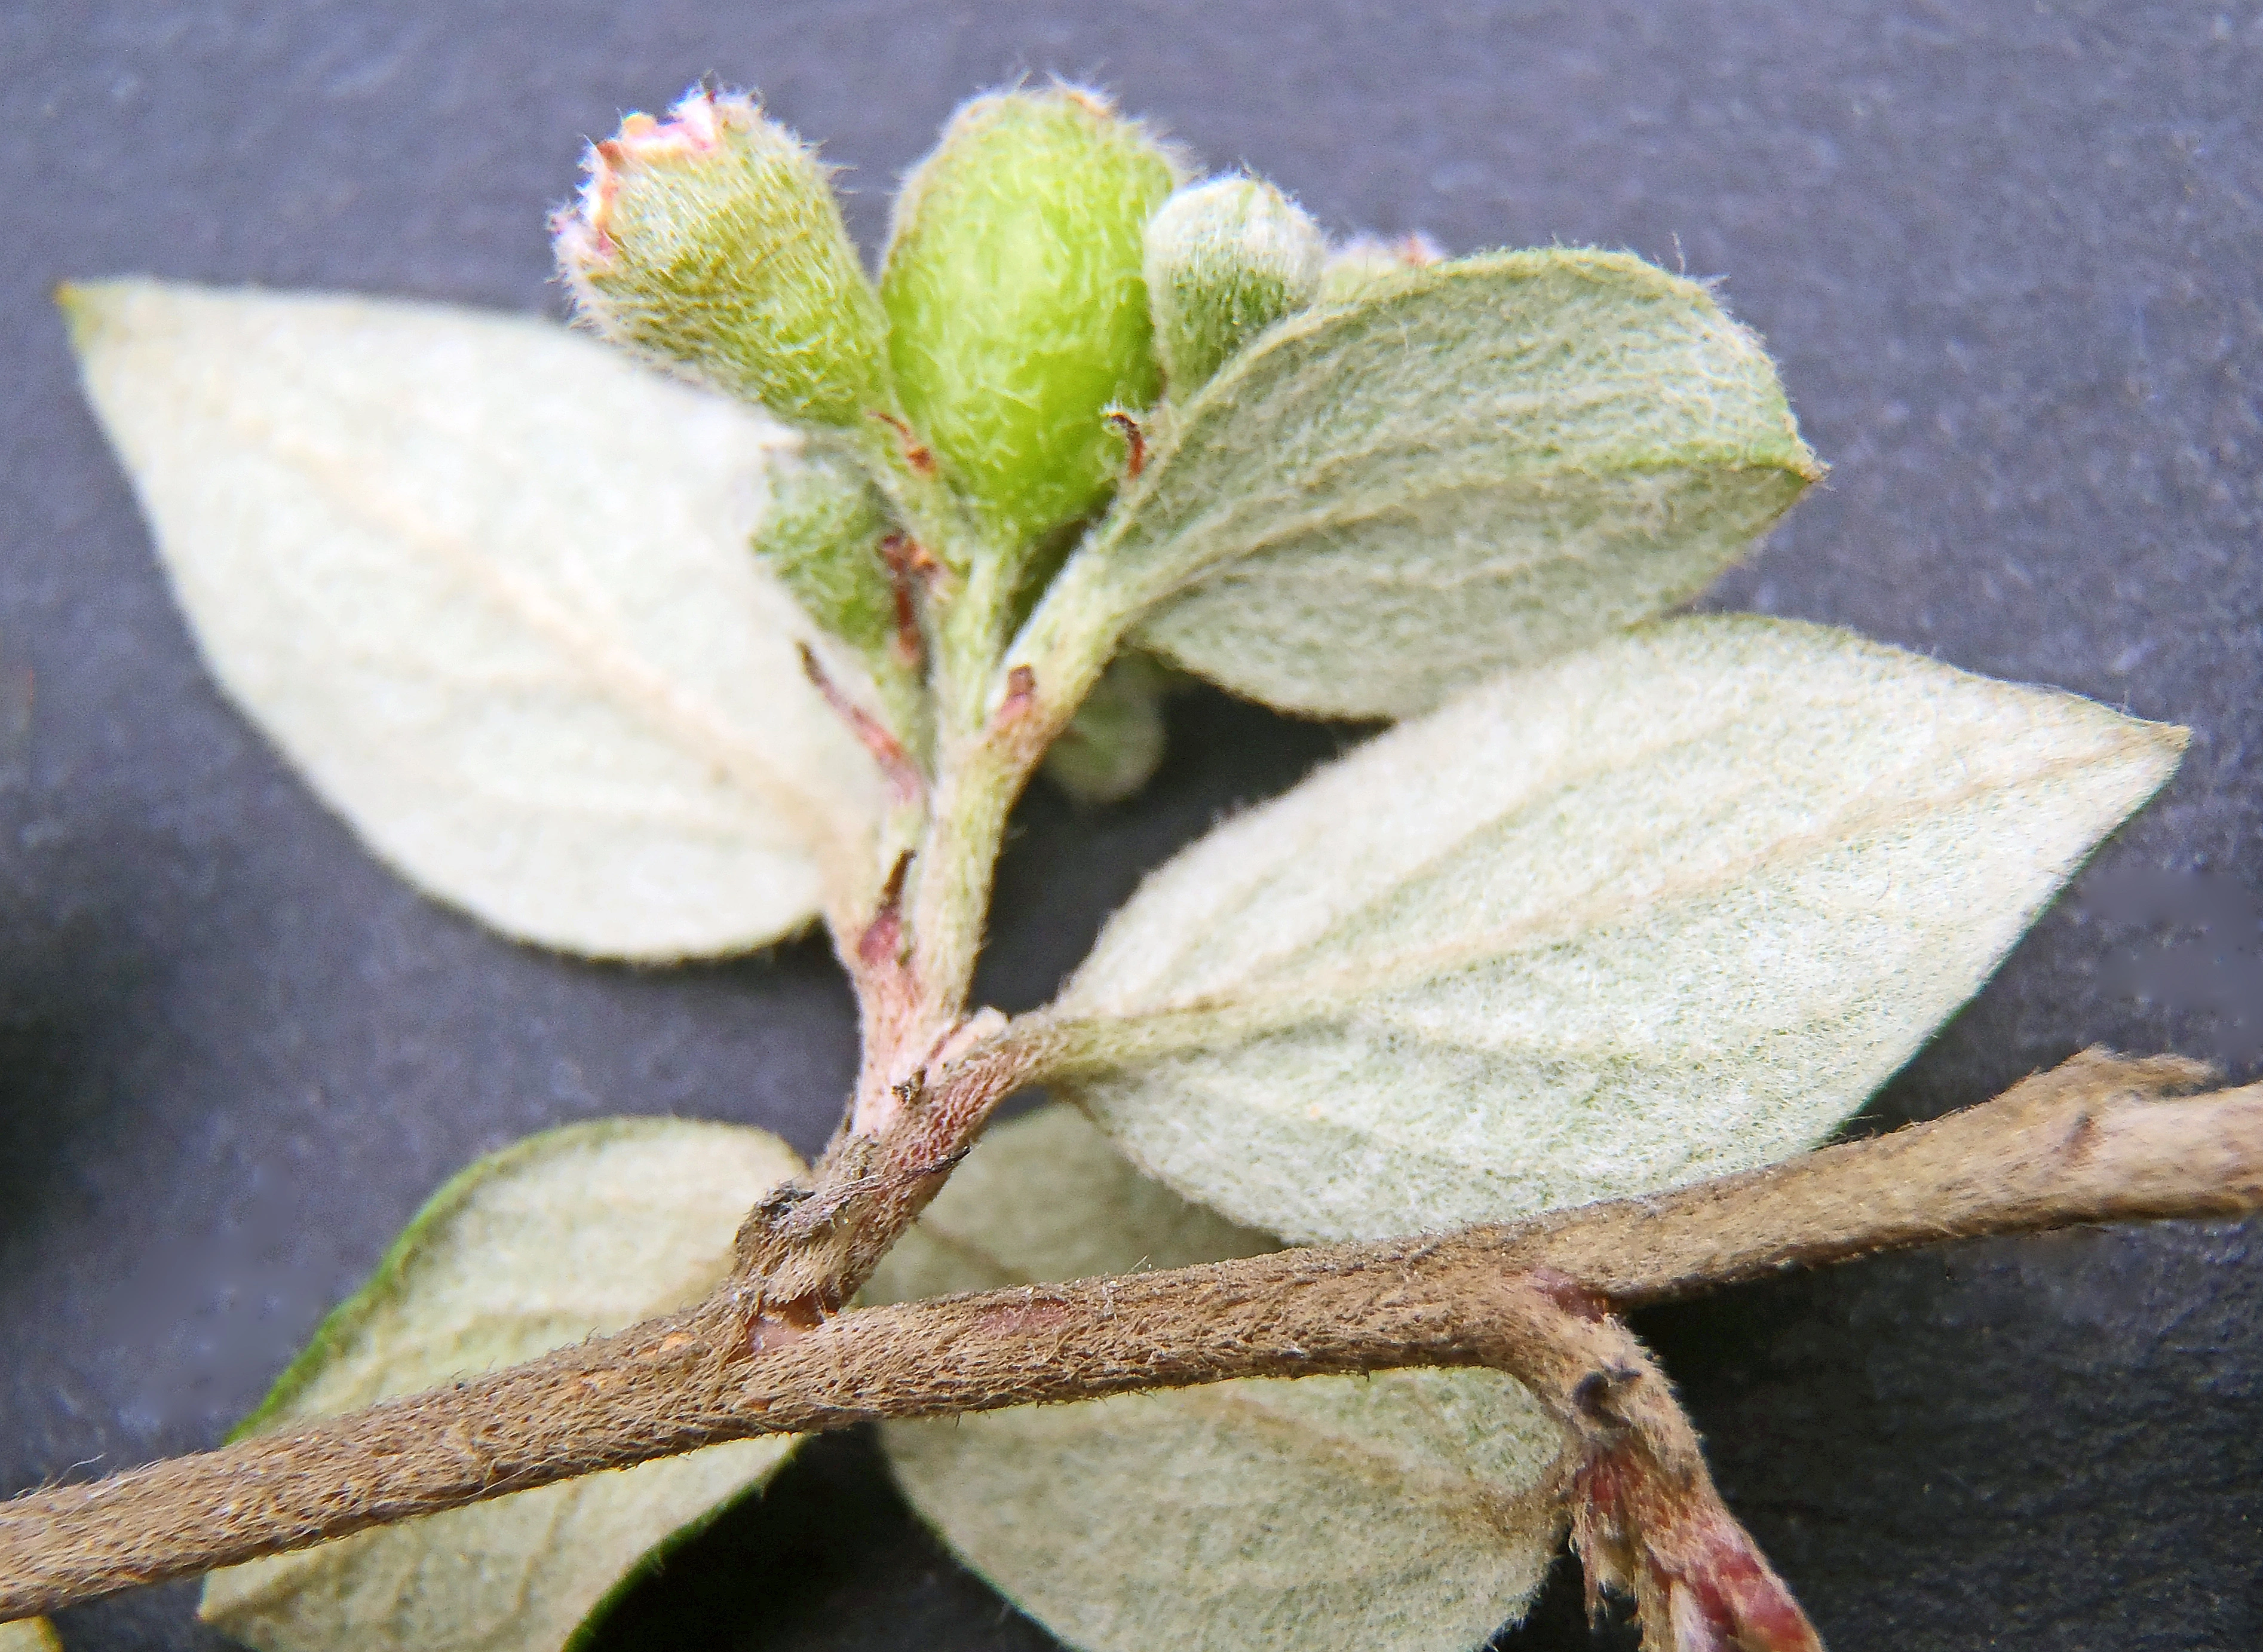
pixel 1366 265
pixel 1114 744
pixel 822 535
pixel 711 242
pixel 828 534
pixel 1016 313
pixel 1226 260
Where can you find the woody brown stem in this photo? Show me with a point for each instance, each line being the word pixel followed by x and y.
pixel 2090 1142
pixel 806 1251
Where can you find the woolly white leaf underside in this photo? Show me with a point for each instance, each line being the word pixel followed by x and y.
pixel 1325 1514
pixel 1671 907
pixel 1487 464
pixel 487 586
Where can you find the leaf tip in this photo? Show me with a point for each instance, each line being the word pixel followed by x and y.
pixel 87 307
pixel 2158 749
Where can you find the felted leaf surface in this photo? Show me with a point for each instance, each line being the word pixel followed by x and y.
pixel 1326 1514
pixel 1670 906
pixel 578 1230
pixel 489 587
pixel 1484 462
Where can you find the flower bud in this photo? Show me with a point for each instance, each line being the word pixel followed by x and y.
pixel 711 242
pixel 1113 745
pixel 1366 265
pixel 821 535
pixel 1224 261
pixel 1016 309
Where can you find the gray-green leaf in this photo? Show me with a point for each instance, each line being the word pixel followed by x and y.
pixel 487 585
pixel 1328 1514
pixel 1477 465
pixel 576 1231
pixel 1669 907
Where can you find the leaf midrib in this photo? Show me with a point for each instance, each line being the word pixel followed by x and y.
pixel 611 667
pixel 1413 969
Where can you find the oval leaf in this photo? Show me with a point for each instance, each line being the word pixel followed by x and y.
pixel 1489 461
pixel 571 1233
pixel 1671 907
pixel 1327 1514
pixel 488 588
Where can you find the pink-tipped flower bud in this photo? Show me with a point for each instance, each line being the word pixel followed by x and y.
pixel 711 242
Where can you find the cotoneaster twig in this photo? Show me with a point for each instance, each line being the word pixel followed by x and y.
pixel 2093 1140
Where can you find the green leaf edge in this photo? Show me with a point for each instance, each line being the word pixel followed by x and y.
pixel 655 1559
pixel 340 1324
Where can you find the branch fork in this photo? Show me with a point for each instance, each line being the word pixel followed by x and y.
pixel 2095 1140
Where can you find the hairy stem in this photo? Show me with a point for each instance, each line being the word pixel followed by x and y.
pixel 1007 700
pixel 912 957
pixel 909 948
pixel 804 1251
pixel 959 855
pixel 2089 1141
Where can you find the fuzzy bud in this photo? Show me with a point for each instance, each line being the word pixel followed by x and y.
pixel 1366 265
pixel 1016 313
pixel 1226 259
pixel 711 242
pixel 822 535
pixel 1112 746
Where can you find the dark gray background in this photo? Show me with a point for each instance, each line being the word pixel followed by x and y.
pixel 2010 258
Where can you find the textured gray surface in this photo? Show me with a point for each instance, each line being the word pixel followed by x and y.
pixel 2011 258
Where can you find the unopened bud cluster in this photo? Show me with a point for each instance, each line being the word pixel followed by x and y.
pixel 821 536
pixel 1048 283
pixel 1016 309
